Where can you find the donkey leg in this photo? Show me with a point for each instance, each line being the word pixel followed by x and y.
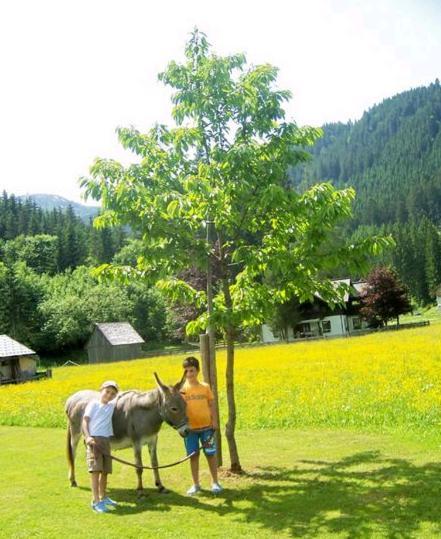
pixel 73 438
pixel 137 448
pixel 153 444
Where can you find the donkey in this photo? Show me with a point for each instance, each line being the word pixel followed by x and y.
pixel 137 418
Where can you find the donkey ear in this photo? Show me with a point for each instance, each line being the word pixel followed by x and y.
pixel 161 386
pixel 179 385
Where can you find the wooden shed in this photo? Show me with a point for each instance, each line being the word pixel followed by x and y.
pixel 18 363
pixel 114 341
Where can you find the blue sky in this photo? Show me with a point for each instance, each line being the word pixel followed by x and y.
pixel 72 71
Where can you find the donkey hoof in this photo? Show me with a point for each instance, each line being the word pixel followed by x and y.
pixel 73 484
pixel 140 494
pixel 163 490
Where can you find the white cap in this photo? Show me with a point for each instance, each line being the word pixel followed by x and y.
pixel 109 383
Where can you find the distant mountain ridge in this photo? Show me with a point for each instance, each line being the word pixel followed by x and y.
pixel 49 202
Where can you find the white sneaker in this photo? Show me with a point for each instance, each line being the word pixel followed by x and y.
pixel 193 490
pixel 216 488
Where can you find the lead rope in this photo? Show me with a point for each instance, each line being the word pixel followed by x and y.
pixel 122 461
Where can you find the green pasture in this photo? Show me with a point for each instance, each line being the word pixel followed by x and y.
pixel 298 483
pixel 338 438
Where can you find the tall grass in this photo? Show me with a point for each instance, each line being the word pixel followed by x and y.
pixel 381 380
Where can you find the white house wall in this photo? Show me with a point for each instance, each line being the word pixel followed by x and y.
pixel 268 336
pixel 338 326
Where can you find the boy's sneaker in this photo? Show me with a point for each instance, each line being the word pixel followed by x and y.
pixel 109 501
pixel 193 490
pixel 216 488
pixel 99 507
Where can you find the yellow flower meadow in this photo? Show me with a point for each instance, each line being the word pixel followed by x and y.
pixel 379 380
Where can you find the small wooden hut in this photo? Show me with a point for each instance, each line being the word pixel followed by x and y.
pixel 114 341
pixel 18 363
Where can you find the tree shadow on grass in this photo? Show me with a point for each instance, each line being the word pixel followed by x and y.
pixel 358 496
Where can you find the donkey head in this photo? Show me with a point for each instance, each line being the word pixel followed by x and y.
pixel 172 406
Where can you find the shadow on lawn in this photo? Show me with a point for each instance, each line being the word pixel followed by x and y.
pixel 357 496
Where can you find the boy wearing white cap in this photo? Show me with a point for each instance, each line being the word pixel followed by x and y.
pixel 97 429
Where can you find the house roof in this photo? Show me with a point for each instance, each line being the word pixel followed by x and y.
pixel 11 348
pixel 347 282
pixel 119 333
pixel 358 286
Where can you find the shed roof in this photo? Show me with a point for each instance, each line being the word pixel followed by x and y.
pixel 119 333
pixel 11 348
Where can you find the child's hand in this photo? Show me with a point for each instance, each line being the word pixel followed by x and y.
pixel 90 440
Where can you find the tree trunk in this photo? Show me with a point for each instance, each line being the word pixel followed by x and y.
pixel 212 369
pixel 231 422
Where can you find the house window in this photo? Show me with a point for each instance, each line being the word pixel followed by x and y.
pixel 326 326
pixel 303 330
pixel 356 322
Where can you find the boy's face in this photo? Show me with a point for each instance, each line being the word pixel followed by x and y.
pixel 191 373
pixel 108 394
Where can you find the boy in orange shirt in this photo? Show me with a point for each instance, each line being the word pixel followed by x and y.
pixel 202 420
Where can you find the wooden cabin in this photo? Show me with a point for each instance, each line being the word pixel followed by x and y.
pixel 114 341
pixel 18 363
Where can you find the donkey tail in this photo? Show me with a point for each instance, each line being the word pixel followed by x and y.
pixel 70 456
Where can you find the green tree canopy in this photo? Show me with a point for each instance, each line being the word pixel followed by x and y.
pixel 211 191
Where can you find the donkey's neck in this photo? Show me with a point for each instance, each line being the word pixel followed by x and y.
pixel 149 399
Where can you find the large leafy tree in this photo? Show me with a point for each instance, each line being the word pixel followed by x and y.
pixel 211 193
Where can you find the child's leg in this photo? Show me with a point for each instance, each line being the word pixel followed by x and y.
pixel 103 485
pixel 95 480
pixel 194 465
pixel 212 464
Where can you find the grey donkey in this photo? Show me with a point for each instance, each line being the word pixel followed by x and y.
pixel 137 419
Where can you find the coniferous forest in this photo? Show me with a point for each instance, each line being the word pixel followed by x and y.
pixel 391 156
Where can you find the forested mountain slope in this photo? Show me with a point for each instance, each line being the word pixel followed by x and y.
pixel 392 156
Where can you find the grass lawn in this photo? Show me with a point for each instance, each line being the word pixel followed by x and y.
pixel 432 314
pixel 299 483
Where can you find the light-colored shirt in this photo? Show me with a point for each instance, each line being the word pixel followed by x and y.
pixel 198 398
pixel 100 418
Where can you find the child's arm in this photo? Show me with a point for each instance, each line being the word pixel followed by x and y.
pixel 87 436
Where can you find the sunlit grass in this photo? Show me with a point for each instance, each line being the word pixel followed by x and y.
pixel 379 380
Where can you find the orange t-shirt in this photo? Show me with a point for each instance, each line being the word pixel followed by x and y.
pixel 197 398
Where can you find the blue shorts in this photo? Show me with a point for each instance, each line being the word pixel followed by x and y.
pixel 204 438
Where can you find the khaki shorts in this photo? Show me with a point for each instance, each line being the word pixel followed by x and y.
pixel 98 455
